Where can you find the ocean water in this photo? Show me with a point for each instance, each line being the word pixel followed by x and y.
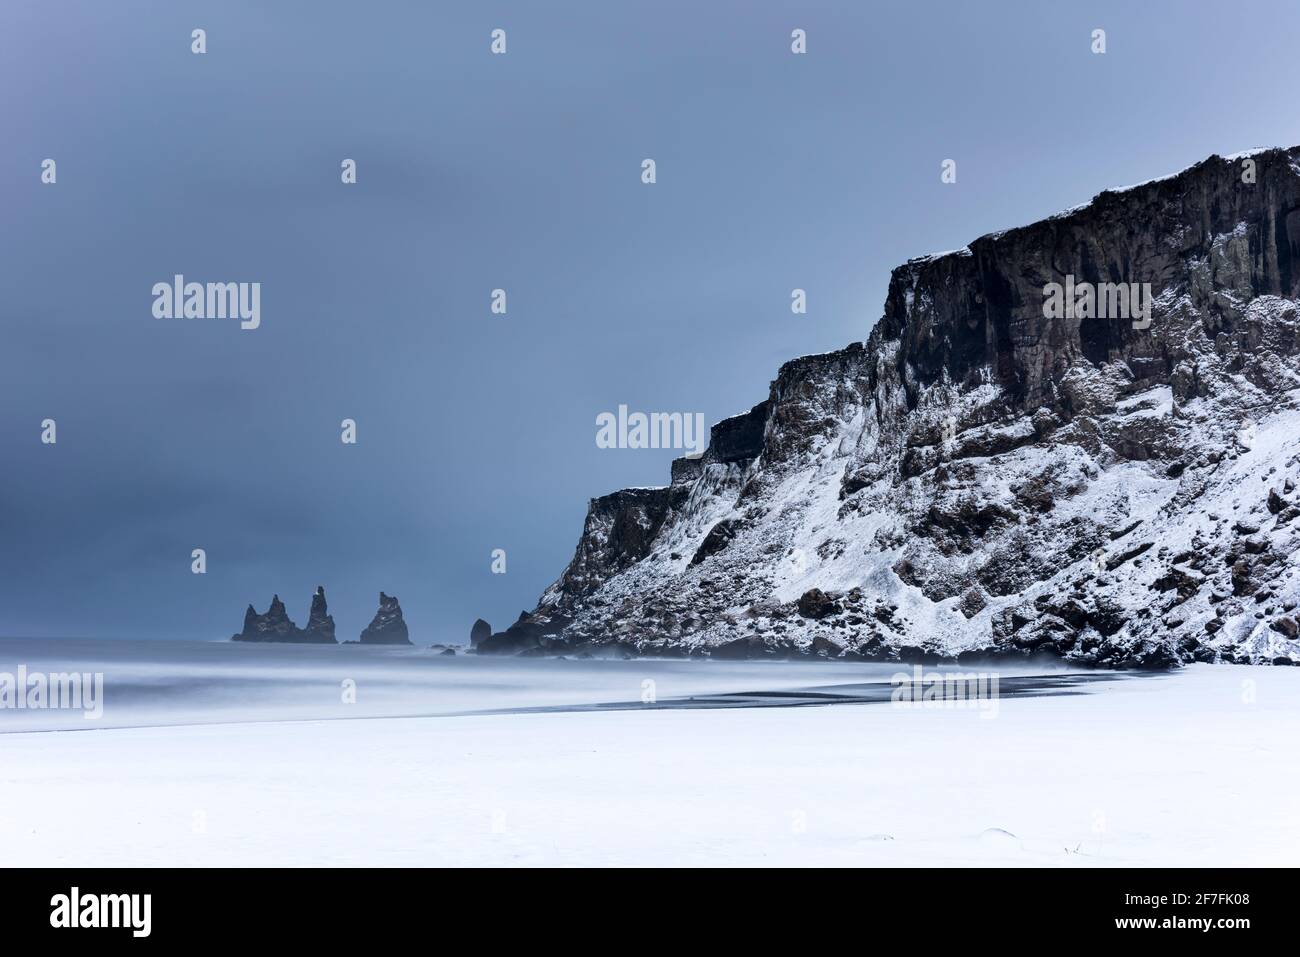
pixel 159 683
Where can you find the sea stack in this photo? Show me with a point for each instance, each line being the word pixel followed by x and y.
pixel 273 626
pixel 480 631
pixel 320 625
pixel 276 625
pixel 387 627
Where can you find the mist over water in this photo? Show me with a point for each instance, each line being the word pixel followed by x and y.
pixel 151 683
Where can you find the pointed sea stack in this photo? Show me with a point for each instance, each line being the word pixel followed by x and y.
pixel 273 626
pixel 387 627
pixel 320 626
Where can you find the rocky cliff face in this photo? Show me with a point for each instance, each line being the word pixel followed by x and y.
pixel 387 627
pixel 276 625
pixel 985 476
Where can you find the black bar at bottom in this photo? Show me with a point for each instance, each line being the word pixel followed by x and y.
pixel 338 906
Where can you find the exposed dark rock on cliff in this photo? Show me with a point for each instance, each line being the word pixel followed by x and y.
pixel 275 625
pixel 719 537
pixel 387 627
pixel 815 603
pixel 986 477
pixel 527 635
pixel 480 631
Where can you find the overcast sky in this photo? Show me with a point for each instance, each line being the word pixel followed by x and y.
pixel 475 171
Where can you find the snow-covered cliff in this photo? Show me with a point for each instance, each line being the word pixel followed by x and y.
pixel 981 478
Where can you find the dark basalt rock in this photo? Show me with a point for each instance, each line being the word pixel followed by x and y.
pixel 735 650
pixel 530 634
pixel 686 469
pixel 275 625
pixel 480 631
pixel 717 539
pixel 387 627
pixel 827 647
pixel 815 603
pixel 619 532
pixel 320 626
pixel 739 438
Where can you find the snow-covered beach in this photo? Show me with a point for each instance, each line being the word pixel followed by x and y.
pixel 215 754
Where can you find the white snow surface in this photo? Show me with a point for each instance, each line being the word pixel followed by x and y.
pixel 1196 767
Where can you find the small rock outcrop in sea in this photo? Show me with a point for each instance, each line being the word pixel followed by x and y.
pixel 320 626
pixel 273 626
pixel 387 627
pixel 276 625
pixel 480 631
